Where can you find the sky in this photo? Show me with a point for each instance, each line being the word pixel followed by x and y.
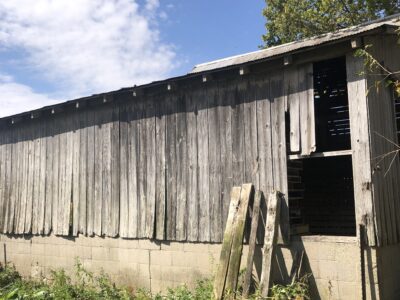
pixel 56 50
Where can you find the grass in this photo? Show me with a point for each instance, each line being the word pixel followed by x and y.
pixel 87 286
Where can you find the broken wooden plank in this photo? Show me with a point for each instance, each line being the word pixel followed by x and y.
pixel 237 241
pixel 271 233
pixel 219 282
pixel 252 242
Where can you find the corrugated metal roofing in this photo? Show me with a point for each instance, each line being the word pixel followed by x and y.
pixel 298 45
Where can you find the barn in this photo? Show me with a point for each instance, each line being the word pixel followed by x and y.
pixel 137 181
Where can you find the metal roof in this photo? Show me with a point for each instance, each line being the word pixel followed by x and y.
pixel 298 45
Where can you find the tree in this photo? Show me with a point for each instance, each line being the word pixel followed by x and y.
pixel 291 20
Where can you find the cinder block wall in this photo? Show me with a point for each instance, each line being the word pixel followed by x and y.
pixel 334 262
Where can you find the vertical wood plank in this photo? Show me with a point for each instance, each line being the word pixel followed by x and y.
pixel 203 163
pixel 124 166
pixel 238 159
pixel 271 234
pixel 160 168
pixel 106 180
pixel 55 175
pixel 49 176
pixel 238 235
pixel 280 154
pixel 359 127
pixel 134 114
pixel 214 150
pixel 76 206
pixel 222 269
pixel 91 169
pixel 98 172
pixel 252 243
pixel 142 170
pixel 42 177
pixel 192 151
pixel 182 170
pixel 293 100
pixel 115 169
pixel 36 180
pixel 83 163
pixel 150 167
pixel 225 101
pixel 171 166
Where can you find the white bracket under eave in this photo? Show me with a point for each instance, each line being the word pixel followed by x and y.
pixel 287 60
pixel 356 43
pixel 244 70
pixel 207 77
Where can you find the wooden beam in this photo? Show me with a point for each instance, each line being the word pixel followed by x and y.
pixel 321 154
pixel 252 243
pixel 271 233
pixel 237 241
pixel 222 269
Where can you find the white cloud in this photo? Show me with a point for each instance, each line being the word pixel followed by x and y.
pixel 17 97
pixel 87 46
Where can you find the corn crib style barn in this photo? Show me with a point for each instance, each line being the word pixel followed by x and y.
pixel 138 181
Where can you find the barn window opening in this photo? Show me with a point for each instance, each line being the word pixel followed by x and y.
pixel 321 196
pixel 321 193
pixel 332 125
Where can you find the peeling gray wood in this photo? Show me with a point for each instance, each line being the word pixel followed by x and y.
pixel 124 167
pixel 214 150
pixel 150 168
pixel 203 161
pixel 223 265
pixel 160 204
pixel 192 154
pixel 182 170
pixel 171 166
pixel 358 110
pixel 252 243
pixel 271 234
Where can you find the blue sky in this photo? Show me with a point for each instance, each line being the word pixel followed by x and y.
pixel 52 51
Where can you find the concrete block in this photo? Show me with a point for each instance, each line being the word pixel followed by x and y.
pixel 134 256
pixel 327 270
pixel 199 247
pixel 172 246
pixel 128 243
pixel 149 244
pixel 37 249
pixel 349 290
pixel 161 258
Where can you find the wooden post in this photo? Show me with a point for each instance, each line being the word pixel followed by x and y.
pixel 219 282
pixel 271 231
pixel 237 241
pixel 252 242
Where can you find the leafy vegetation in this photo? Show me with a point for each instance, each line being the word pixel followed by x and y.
pixel 291 20
pixel 87 286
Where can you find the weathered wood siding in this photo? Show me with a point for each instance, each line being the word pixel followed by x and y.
pixel 159 165
pixel 385 163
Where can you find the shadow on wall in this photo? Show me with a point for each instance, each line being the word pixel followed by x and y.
pixel 283 267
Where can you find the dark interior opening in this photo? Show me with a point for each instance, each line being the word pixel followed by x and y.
pixel 322 199
pixel 321 193
pixel 332 126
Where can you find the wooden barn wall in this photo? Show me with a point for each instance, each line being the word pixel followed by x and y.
pixel 155 166
pixel 385 163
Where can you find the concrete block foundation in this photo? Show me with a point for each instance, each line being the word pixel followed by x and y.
pixel 334 262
